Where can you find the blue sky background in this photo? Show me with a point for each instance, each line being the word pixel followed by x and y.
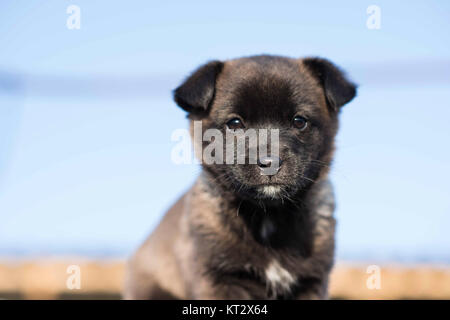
pixel 86 117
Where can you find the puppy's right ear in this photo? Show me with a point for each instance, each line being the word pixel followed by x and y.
pixel 196 93
pixel 337 88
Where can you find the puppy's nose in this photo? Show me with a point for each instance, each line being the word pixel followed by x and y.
pixel 268 162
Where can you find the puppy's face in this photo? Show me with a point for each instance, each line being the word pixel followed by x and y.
pixel 300 99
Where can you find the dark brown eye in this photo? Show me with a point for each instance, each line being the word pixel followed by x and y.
pixel 300 122
pixel 235 123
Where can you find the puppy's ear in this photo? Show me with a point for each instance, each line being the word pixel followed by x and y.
pixel 337 88
pixel 196 93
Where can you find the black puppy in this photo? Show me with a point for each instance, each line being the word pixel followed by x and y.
pixel 238 233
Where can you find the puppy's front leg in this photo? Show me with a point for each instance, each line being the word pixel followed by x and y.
pixel 314 289
pixel 206 289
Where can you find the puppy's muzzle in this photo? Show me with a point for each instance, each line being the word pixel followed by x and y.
pixel 269 165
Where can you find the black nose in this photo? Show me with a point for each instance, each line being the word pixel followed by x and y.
pixel 268 162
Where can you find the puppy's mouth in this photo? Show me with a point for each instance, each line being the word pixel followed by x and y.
pixel 266 188
pixel 272 191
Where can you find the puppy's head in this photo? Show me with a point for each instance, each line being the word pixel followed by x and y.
pixel 295 102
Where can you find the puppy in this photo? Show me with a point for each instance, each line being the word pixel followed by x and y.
pixel 239 233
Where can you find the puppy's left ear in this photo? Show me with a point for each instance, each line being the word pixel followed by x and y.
pixel 196 93
pixel 337 88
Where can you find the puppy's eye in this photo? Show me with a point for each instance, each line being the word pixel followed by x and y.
pixel 300 122
pixel 235 123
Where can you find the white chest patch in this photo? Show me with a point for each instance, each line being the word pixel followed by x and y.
pixel 278 278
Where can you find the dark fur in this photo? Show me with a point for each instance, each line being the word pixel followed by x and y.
pixel 227 238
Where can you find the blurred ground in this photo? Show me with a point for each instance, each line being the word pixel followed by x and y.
pixel 103 279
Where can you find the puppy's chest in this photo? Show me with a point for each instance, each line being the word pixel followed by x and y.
pixel 268 251
pixel 279 280
pixel 278 247
pixel 279 229
pixel 271 279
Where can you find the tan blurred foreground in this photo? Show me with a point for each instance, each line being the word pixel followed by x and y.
pixel 103 279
